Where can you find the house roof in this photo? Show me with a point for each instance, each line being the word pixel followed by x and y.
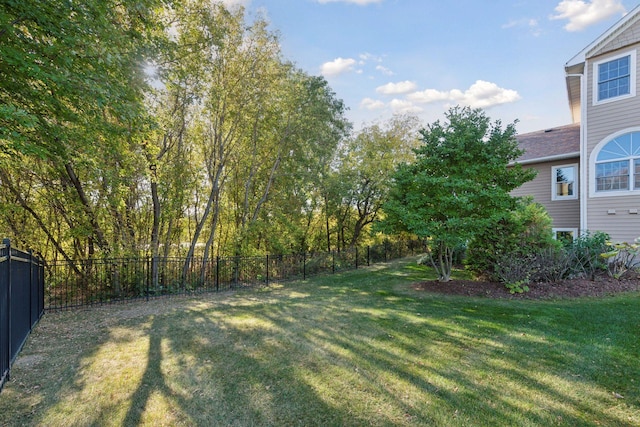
pixel 550 144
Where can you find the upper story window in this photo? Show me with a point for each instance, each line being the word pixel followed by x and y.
pixel 614 78
pixel 564 182
pixel 617 165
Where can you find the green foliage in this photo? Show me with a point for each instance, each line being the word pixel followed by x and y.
pixel 622 257
pixel 359 185
pixel 70 73
pixel 520 232
pixel 520 249
pixel 536 262
pixel 585 252
pixel 459 184
pixel 513 270
pixel 517 287
pixel 521 267
pixel 72 88
pixel 228 151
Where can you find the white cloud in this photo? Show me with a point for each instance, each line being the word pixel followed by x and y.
pixel 485 94
pixel 396 88
pixel 529 23
pixel 337 66
pixel 481 94
pixel 370 57
pixel 404 106
pixel 524 22
pixel 371 104
pixel 429 95
pixel 384 70
pixel 359 2
pixel 582 14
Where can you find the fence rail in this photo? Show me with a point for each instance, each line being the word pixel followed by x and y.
pixel 102 281
pixel 21 302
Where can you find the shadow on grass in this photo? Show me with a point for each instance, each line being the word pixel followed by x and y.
pixel 343 350
pixel 505 353
pixel 152 381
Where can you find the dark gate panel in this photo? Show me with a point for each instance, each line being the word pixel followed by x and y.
pixel 21 302
pixel 5 356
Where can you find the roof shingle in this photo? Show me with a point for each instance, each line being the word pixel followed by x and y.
pixel 549 143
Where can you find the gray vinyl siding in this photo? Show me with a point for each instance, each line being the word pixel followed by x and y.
pixel 613 214
pixel 564 213
pixel 629 36
pixel 620 224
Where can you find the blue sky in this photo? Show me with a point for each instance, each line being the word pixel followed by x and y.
pixel 423 56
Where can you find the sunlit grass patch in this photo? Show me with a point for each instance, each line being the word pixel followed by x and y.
pixel 355 348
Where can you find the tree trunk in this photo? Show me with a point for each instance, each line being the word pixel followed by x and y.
pixel 326 217
pixel 97 231
pixel 209 244
pixel 23 203
pixel 155 239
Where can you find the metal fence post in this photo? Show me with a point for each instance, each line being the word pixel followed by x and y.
pixel 368 255
pixel 356 257
pixel 333 262
pixel 6 356
pixel 236 270
pixel 30 261
pixel 217 273
pixel 304 265
pixel 10 292
pixel 149 275
pixel 267 265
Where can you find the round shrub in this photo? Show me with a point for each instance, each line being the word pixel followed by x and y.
pixel 519 234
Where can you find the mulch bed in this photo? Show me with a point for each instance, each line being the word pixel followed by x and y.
pixel 573 288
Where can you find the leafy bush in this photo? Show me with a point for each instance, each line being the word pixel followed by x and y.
pixel 583 257
pixel 622 257
pixel 514 270
pixel 585 252
pixel 552 265
pixel 527 230
pixel 518 269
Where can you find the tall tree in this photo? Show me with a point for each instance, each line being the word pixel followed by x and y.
pixel 363 177
pixel 71 85
pixel 255 128
pixel 225 155
pixel 459 184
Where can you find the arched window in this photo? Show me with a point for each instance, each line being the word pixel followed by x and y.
pixel 617 165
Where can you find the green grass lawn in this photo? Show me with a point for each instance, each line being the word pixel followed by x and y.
pixel 357 348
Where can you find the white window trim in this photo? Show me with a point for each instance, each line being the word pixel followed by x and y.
pixel 576 185
pixel 592 168
pixel 632 78
pixel 570 230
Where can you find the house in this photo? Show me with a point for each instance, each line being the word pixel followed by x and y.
pixel 555 154
pixel 589 171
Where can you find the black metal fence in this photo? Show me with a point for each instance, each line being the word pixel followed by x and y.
pixel 101 281
pixel 21 302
